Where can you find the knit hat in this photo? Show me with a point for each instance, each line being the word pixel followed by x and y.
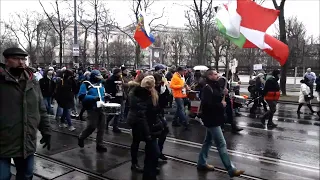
pixel 148 82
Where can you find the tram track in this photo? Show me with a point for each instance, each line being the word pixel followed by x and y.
pixel 173 158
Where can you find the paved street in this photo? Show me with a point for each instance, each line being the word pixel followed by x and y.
pixel 290 151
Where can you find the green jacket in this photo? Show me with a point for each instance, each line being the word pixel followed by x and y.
pixel 22 113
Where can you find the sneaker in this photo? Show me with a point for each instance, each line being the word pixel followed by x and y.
pixel 101 148
pixel 237 173
pixel 71 128
pixel 136 168
pixel 206 167
pixel 80 142
pixel 63 125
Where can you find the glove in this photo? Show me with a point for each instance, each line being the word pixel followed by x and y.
pixel 97 99
pixel 46 140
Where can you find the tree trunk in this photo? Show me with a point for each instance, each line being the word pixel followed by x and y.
pixel 201 48
pixel 60 49
pixel 96 34
pixel 282 24
pixel 84 58
pixel 216 62
pixel 38 43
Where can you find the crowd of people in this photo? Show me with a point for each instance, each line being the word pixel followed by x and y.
pixel 27 96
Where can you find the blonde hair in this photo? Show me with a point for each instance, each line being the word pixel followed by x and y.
pixel 148 82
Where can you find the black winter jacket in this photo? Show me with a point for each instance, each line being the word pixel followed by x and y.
pixel 142 114
pixel 47 87
pixel 211 106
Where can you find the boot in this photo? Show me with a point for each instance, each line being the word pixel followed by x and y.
pixel 80 142
pixel 101 148
pixel 237 173
pixel 136 168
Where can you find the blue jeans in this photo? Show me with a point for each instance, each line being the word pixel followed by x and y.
pixel 180 112
pixel 24 168
pixel 59 112
pixel 47 102
pixel 215 134
pixel 66 116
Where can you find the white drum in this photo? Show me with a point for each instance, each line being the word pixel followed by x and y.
pixel 239 99
pixel 111 108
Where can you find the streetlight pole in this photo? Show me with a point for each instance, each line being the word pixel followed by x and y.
pixel 75 31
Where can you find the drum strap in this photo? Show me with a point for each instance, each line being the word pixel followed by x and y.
pixel 97 87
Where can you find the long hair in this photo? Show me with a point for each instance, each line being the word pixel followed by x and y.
pixel 148 82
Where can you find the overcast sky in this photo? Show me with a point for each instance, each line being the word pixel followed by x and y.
pixel 305 10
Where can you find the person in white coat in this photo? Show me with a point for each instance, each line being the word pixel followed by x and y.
pixel 304 97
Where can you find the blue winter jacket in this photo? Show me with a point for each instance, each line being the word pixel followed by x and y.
pixel 88 94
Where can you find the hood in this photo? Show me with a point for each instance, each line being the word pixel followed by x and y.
pixel 141 93
pixel 133 84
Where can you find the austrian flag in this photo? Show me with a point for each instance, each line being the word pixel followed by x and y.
pixel 245 23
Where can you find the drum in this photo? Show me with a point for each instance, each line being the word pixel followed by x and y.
pixel 112 108
pixel 239 99
pixel 193 95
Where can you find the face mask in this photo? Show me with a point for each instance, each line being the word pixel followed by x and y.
pixel 16 71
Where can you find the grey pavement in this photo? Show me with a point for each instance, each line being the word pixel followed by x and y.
pixel 290 151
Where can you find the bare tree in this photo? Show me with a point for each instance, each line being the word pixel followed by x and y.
pixel 283 38
pixel 24 26
pixel 107 25
pixel 137 6
pixel 199 16
pixel 121 52
pixel 219 46
pixel 46 42
pixel 177 43
pixel 97 6
pixel 297 40
pixel 6 40
pixel 59 24
pixel 86 24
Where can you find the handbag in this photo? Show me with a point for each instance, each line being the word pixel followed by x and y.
pixel 308 97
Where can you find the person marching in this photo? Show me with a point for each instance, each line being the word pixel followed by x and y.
pixel 89 96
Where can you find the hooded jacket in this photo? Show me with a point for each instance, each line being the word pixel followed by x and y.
pixel 211 106
pixel 177 84
pixel 22 113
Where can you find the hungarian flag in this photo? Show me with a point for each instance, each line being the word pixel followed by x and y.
pixel 245 23
pixel 142 34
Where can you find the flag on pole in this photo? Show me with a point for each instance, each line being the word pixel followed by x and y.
pixel 247 29
pixel 142 34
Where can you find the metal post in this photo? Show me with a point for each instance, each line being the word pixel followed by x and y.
pixel 295 76
pixel 75 33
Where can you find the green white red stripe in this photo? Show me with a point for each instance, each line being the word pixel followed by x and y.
pixel 247 28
